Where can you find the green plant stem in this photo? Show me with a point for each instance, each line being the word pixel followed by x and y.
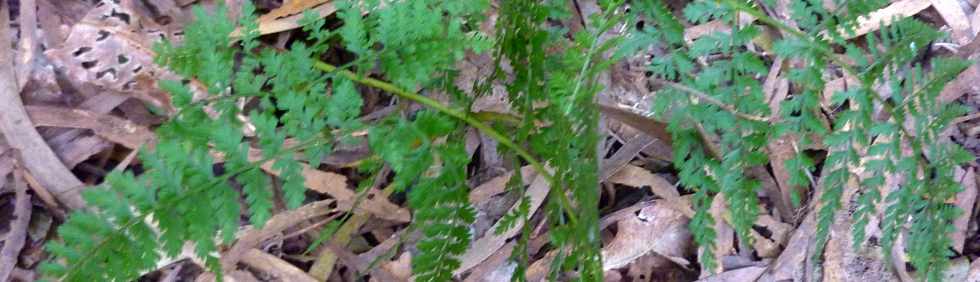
pixel 465 117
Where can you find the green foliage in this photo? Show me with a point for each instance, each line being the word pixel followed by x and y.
pixel 713 101
pixel 857 138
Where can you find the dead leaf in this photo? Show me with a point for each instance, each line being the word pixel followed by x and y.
pixel 964 83
pixel 111 48
pixel 955 17
pixel 634 176
pixel 109 127
pixel 964 200
pixel 633 238
pixel 974 274
pixel 884 16
pixel 335 185
pixel 487 245
pixel 274 266
pixel 742 274
pixel 289 16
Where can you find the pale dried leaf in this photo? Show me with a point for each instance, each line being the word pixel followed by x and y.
pixel 274 266
pixel 884 16
pixel 288 18
pixel 633 238
pixel 742 274
pixel 964 200
pixel 485 246
pixel 112 48
pixel 955 17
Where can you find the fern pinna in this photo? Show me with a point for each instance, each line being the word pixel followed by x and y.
pixel 710 94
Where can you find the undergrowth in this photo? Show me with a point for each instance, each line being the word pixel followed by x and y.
pixel 710 92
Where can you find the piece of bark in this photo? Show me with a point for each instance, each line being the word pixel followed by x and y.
pixel 738 275
pixel 20 133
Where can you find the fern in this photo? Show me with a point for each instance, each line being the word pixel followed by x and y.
pixel 710 96
pixel 730 77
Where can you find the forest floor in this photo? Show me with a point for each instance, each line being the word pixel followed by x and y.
pixel 81 84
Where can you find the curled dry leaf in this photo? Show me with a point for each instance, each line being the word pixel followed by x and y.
pixel 111 48
pixel 633 238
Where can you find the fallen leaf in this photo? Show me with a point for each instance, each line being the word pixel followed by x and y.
pixel 964 200
pixel 955 18
pixel 487 245
pixel 738 275
pixel 633 238
pixel 884 16
pixel 111 48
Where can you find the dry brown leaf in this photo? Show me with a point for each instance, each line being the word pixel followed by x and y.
pixel 644 124
pixel 964 200
pixel 624 155
pixel 498 185
pixel 725 242
pixel 633 238
pixel 955 17
pixel 487 245
pixel 113 128
pixel 251 238
pixel 401 268
pixel 964 83
pixel 974 274
pixel 742 274
pixel 111 48
pixel 780 151
pixel 335 185
pixel 635 176
pixel 274 266
pixel 288 18
pixel 495 268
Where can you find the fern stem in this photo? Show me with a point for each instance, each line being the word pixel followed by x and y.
pixel 465 117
